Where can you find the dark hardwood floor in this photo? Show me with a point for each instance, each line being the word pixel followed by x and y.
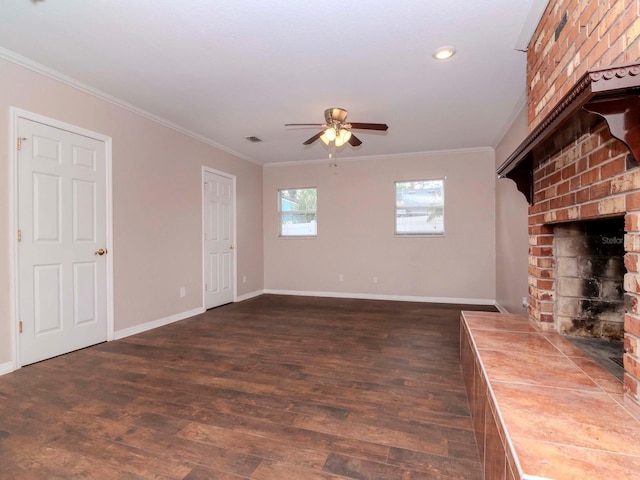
pixel 271 388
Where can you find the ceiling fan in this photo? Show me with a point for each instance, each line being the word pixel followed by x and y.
pixel 337 130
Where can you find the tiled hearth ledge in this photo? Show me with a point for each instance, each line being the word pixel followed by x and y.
pixel 541 408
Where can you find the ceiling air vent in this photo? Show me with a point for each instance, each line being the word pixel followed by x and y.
pixel 253 139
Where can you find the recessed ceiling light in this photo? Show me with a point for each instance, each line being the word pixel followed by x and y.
pixel 444 52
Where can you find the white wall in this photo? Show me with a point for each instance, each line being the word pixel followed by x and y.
pixel 512 240
pixel 156 202
pixel 356 202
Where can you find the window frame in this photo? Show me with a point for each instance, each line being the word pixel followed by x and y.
pixel 425 233
pixel 296 212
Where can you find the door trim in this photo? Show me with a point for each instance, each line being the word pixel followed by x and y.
pixel 14 311
pixel 234 254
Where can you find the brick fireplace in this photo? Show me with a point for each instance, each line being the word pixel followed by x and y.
pixel 592 180
pixel 579 170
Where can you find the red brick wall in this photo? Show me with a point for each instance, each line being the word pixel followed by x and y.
pixel 598 33
pixel 589 178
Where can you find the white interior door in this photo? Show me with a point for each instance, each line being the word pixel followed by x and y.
pixel 219 258
pixel 62 274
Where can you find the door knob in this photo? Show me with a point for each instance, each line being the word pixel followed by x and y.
pixel 101 251
pixel 232 246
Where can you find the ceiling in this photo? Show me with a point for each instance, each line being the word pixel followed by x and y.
pixel 227 69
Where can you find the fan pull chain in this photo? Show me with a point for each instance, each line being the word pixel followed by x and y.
pixel 332 154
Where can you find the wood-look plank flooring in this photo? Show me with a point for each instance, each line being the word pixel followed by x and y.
pixel 271 388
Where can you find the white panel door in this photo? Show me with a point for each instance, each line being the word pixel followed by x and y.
pixel 218 211
pixel 62 277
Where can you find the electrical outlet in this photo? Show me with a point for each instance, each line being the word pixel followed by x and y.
pixel 244 279
pixel 375 279
pixel 341 278
pixel 525 302
pixel 183 292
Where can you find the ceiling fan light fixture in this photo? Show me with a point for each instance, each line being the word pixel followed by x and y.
pixel 443 53
pixel 343 137
pixel 336 131
pixel 328 136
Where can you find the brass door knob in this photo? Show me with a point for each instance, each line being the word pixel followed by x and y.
pixel 101 251
pixel 232 246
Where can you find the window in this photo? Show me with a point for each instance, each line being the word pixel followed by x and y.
pixel 297 209
pixel 420 207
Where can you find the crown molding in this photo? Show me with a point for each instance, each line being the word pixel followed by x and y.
pixel 34 66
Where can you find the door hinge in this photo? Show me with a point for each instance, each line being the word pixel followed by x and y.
pixel 19 142
pixel 19 235
pixel 206 287
pixel 20 326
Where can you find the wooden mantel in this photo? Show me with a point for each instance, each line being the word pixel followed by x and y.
pixel 610 94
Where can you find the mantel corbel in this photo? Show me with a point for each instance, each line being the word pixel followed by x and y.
pixel 623 118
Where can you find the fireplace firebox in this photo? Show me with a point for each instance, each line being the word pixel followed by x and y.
pixel 589 267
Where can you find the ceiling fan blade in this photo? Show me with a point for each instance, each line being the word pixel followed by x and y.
pixel 370 126
pixel 354 141
pixel 314 138
pixel 303 124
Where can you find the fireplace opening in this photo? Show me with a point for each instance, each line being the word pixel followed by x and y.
pixel 589 272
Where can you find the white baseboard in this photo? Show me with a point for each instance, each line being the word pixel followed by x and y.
pixel 7 367
pixel 249 295
pixel 127 332
pixel 501 309
pixel 397 298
